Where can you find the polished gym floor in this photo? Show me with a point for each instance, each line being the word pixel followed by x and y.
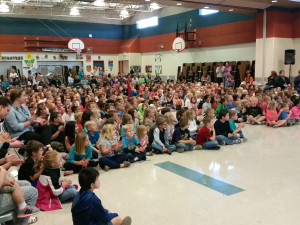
pixel 251 183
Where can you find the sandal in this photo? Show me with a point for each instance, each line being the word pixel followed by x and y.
pixel 32 219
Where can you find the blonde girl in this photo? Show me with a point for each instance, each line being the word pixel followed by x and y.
pixel 97 120
pixel 272 116
pixel 177 102
pixel 52 191
pixel 109 148
pixel 142 136
pixel 172 121
pixel 191 115
pixel 80 154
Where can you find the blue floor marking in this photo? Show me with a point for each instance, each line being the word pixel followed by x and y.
pixel 207 181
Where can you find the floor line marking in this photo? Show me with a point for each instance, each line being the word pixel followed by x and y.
pixel 207 181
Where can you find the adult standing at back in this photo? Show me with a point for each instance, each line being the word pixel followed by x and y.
pixel 219 73
pixel 225 69
pixel 19 122
pixel 282 81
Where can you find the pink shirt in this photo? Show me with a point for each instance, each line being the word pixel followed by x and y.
pixel 271 115
pixel 295 112
pixel 143 141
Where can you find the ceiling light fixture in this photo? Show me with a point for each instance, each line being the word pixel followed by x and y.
pixel 274 1
pixel 230 10
pixel 17 1
pixel 147 0
pixel 124 14
pixel 154 6
pixel 206 7
pixel 4 8
pixel 99 3
pixel 74 11
pixel 179 3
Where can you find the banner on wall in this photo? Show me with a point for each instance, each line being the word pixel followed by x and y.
pixel 29 59
pixel 148 69
pixel 88 58
pixel 158 69
pixel 110 64
pixel 158 58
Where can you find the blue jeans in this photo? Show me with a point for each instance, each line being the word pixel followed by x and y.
pixel 132 156
pixel 209 144
pixel 113 161
pixel 227 140
pixel 224 80
pixel 155 145
pixel 69 193
pixel 186 147
pixel 241 134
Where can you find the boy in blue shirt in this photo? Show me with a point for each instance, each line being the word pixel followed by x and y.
pixel 87 208
pixel 131 145
pixel 93 135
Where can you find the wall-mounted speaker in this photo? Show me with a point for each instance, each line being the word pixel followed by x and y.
pixel 289 56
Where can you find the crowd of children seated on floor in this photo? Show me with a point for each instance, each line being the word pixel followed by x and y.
pixel 116 122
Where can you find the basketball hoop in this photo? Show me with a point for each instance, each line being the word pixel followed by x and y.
pixel 76 45
pixel 178 44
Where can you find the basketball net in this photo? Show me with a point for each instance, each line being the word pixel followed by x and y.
pixel 78 51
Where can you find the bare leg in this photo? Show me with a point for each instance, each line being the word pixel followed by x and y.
pixel 116 221
pixel 281 122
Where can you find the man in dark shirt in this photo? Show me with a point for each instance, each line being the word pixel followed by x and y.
pixel 223 131
pixel 282 81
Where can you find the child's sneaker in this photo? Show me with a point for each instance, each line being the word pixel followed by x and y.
pixel 27 211
pixel 252 123
pixel 221 143
pixel 106 168
pixel 149 153
pixel 244 139
pixel 126 221
pixel 197 147
pixel 180 150
pixel 215 148
pixel 126 164
pixel 237 141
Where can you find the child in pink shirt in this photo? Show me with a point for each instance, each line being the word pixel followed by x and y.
pixel 296 110
pixel 271 116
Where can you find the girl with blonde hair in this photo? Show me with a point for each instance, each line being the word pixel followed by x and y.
pixel 52 191
pixel 109 147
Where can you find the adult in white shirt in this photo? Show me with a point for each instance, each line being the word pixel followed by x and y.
pixel 13 74
pixel 219 73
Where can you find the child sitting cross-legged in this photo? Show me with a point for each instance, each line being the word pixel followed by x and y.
pixel 93 134
pixel 80 154
pixel 254 113
pixel 161 139
pixel 131 145
pixel 271 116
pixel 182 138
pixel 52 190
pixel 34 150
pixel 109 147
pixel 237 130
pixel 204 136
pixel 142 136
pixel 87 207
pixel 224 134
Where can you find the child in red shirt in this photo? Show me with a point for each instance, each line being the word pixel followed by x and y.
pixel 205 138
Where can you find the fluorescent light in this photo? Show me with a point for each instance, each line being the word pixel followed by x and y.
pixel 230 10
pixel 154 6
pixel 4 8
pixel 274 1
pixel 149 22
pixel 124 13
pixel 147 0
pixel 74 11
pixel 204 12
pixel 17 1
pixel 206 7
pixel 179 3
pixel 99 3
